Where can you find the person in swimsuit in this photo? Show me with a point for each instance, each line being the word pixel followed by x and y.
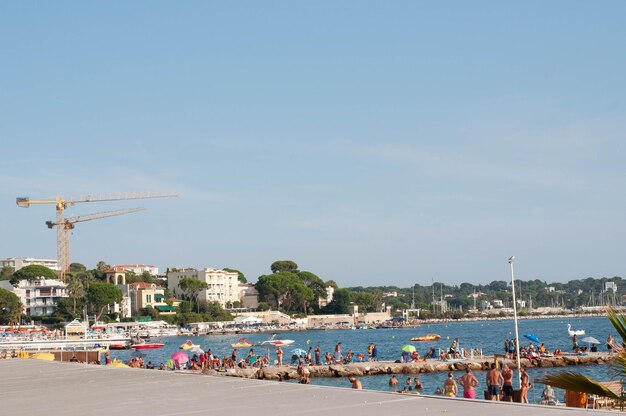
pixel 450 388
pixel 525 384
pixel 356 383
pixel 494 383
pixel 507 384
pixel 468 382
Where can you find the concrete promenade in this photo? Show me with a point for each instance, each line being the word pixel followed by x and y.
pixel 50 388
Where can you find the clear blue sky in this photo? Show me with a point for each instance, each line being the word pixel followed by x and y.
pixel 371 142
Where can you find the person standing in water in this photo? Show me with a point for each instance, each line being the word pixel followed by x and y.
pixel 468 382
pixel 356 383
pixel 450 388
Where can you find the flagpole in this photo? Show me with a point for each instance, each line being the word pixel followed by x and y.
pixel 519 372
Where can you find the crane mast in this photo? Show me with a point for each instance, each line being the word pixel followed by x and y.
pixel 63 224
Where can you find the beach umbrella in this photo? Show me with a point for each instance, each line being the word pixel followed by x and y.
pixel 408 348
pixel 298 351
pixel 532 337
pixel 590 340
pixel 180 357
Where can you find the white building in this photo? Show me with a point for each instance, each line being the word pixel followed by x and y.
pixel 610 286
pixel 18 263
pixel 223 285
pixel 40 297
pixel 136 268
pixel 322 302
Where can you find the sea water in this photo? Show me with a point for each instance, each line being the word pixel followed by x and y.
pixel 487 336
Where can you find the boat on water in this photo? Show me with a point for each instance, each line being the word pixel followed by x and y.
pixel 143 344
pixel 426 338
pixel 242 343
pixel 273 342
pixel 147 346
pixel 187 345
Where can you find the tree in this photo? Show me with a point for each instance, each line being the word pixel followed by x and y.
pixel 340 303
pixel 75 290
pixel 286 290
pixel 573 381
pixel 102 266
pixel 100 295
pixel 284 266
pixel 77 268
pixel 6 273
pixel 10 307
pixel 147 277
pixel 32 272
pixel 242 278
pixel 332 284
pixel 314 283
pixel 192 288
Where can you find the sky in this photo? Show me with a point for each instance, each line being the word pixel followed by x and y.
pixel 373 143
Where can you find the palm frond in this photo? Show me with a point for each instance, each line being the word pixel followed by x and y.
pixel 577 382
pixel 618 366
pixel 618 321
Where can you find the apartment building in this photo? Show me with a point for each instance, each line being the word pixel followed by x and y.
pixel 223 286
pixel 40 297
pixel 18 262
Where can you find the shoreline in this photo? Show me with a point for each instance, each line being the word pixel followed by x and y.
pixel 416 323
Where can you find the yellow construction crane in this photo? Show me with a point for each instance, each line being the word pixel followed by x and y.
pixel 65 224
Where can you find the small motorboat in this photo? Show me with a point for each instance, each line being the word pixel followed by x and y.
pixel 273 342
pixel 142 344
pixel 147 346
pixel 241 343
pixel 187 345
pixel 426 338
pixel 277 342
pixel 121 346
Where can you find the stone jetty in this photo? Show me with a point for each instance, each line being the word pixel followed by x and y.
pixel 287 372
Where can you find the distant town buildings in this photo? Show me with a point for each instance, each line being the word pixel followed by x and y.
pixel 223 286
pixel 117 274
pixel 17 263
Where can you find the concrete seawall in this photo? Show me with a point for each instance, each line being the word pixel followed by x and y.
pixel 429 366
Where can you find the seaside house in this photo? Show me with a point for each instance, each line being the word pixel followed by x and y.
pixel 143 295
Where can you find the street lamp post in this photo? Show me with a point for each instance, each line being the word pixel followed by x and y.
pixel 519 372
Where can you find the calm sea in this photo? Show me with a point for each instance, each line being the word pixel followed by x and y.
pixel 486 335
